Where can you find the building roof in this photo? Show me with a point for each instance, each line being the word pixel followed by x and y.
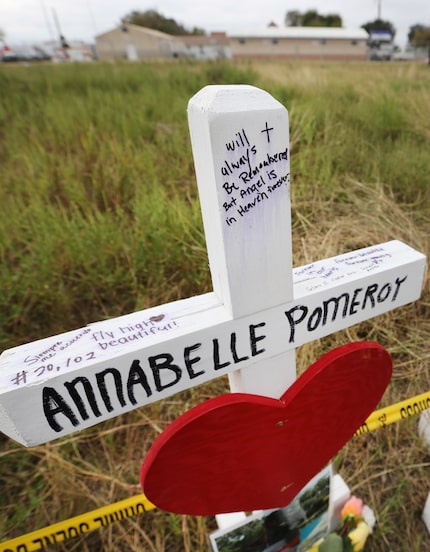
pixel 140 29
pixel 203 40
pixel 303 32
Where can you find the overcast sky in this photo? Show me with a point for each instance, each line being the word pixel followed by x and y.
pixel 34 20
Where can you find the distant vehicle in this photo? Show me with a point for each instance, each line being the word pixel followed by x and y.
pixel 23 53
pixel 7 54
pixel 405 55
pixel 381 45
pixel 384 52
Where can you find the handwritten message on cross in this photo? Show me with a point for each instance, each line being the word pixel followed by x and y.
pixel 260 309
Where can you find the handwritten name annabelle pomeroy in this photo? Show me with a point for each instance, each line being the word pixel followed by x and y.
pixel 251 175
pixel 147 378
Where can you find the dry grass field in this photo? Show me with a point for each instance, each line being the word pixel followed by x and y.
pixel 100 217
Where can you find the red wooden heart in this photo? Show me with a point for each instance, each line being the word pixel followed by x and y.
pixel 247 452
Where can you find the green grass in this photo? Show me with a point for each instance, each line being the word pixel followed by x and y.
pixel 100 217
pixel 92 159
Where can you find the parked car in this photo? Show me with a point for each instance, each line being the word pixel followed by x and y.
pixel 7 54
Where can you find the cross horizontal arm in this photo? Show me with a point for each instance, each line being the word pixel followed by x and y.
pixel 75 380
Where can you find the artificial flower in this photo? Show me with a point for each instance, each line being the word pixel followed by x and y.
pixel 358 536
pixel 368 516
pixel 353 507
pixel 351 515
pixel 356 524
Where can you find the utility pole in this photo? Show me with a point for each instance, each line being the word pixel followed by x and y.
pixel 379 10
pixel 63 43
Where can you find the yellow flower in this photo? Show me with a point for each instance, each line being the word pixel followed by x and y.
pixel 358 536
pixel 352 507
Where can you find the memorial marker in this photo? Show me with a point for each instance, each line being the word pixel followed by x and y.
pixel 248 327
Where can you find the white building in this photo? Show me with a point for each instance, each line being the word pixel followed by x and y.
pixel 134 42
pixel 300 43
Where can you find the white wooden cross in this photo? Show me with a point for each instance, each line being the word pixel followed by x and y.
pixel 248 327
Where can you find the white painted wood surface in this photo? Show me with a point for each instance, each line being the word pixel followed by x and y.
pixel 259 312
pixel 240 141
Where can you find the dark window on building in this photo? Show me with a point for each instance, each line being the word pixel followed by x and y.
pixel 274 41
pixel 242 41
pixel 354 42
pixel 323 41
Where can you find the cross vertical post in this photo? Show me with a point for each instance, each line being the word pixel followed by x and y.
pixel 240 140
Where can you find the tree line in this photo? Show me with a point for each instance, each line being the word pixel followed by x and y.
pixel 418 36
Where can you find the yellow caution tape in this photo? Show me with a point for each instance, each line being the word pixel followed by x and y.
pixel 79 525
pixel 394 413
